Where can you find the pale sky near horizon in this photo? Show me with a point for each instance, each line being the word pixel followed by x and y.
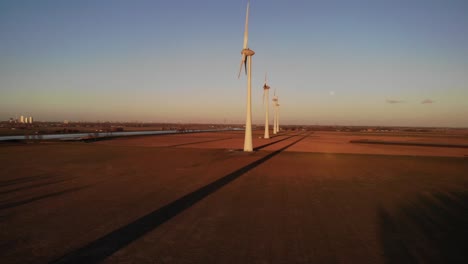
pixel 368 62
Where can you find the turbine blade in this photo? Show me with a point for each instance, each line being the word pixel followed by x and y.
pixel 245 65
pixel 246 30
pixel 240 69
pixel 238 75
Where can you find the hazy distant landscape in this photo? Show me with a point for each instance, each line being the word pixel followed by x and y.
pixel 44 128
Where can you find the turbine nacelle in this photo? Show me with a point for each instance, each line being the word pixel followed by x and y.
pixel 265 85
pixel 247 52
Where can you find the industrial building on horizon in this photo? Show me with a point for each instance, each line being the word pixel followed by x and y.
pixel 22 120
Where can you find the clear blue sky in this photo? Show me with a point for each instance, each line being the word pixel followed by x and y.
pixel 332 62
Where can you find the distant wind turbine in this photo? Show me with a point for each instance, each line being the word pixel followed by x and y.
pixel 247 62
pixel 275 102
pixel 266 103
pixel 277 117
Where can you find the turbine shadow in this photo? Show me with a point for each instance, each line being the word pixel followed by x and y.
pixel 433 229
pixel 271 143
pixel 24 180
pixel 280 134
pixel 9 205
pixel 198 142
pixel 34 186
pixel 105 246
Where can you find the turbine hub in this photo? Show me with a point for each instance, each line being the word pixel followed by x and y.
pixel 266 87
pixel 247 52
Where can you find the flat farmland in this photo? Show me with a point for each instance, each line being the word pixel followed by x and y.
pixel 301 197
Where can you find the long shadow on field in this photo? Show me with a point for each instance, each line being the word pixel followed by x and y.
pixel 12 204
pixel 433 229
pixel 35 186
pixel 281 134
pixel 24 180
pixel 198 142
pixel 105 246
pixel 274 142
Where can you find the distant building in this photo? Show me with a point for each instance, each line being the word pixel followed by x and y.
pixel 23 120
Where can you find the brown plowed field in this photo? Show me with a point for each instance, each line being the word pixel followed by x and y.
pixel 195 198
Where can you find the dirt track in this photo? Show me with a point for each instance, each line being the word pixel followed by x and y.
pixel 276 205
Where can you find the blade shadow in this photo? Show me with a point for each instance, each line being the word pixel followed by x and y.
pixel 35 186
pixel 9 205
pixel 24 180
pixel 431 229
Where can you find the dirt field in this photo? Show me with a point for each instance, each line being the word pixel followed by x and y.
pixel 195 198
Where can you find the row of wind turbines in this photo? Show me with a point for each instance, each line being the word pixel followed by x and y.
pixel 247 62
pixel 276 105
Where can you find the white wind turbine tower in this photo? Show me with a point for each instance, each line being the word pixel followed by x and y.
pixel 266 103
pixel 277 117
pixel 247 62
pixel 275 103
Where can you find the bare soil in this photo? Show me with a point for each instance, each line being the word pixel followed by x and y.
pixel 196 198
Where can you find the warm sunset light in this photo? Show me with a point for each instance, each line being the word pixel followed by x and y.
pixel 177 60
pixel 240 131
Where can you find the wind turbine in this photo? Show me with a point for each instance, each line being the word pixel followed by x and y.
pixel 265 99
pixel 275 103
pixel 277 117
pixel 247 62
